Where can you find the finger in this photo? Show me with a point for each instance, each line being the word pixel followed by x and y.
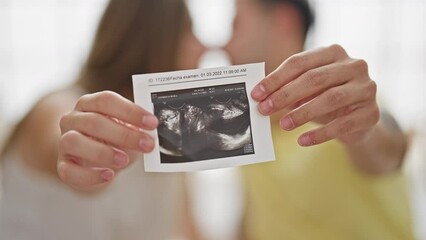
pixel 81 177
pixel 105 129
pixel 310 83
pixel 92 153
pixel 330 101
pixel 301 102
pixel 357 121
pixel 295 66
pixel 113 105
pixel 338 113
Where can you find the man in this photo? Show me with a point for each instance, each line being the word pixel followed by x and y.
pixel 336 174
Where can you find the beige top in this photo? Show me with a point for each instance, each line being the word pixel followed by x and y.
pixel 137 205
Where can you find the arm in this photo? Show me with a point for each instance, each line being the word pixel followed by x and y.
pixel 328 87
pixel 383 150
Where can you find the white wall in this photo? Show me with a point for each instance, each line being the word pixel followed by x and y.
pixel 42 45
pixel 391 36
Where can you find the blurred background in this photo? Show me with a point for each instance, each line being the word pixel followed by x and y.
pixel 44 43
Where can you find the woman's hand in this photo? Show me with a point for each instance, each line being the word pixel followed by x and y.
pixel 97 137
pixel 325 86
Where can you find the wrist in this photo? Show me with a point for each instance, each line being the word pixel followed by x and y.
pixel 380 151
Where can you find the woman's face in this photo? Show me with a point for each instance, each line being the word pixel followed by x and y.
pixel 189 51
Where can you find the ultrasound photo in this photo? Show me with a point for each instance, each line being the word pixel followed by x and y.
pixel 203 123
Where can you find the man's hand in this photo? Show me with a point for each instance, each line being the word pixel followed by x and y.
pixel 97 136
pixel 328 87
pixel 325 86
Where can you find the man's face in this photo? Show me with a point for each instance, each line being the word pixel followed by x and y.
pixel 249 42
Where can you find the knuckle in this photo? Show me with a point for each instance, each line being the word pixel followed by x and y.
pixel 126 136
pixel 100 102
pixel 103 99
pixel 375 114
pixel 335 97
pixel 337 50
pixel 306 116
pixel 346 110
pixel 82 101
pixel 108 94
pixel 315 78
pixel 371 90
pixel 280 96
pixel 64 122
pixel 297 61
pixel 361 65
pixel 346 127
pixel 271 79
pixel 68 140
pixel 301 116
pixel 89 123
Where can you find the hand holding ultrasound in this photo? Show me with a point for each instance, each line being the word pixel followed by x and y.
pixel 206 119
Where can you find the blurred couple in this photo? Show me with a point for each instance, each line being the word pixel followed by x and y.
pixel 330 138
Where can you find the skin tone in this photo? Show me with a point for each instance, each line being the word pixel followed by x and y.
pixel 323 85
pixel 90 157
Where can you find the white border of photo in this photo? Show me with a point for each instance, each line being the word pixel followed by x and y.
pixel 145 84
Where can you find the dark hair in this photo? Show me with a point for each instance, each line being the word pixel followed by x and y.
pixel 302 6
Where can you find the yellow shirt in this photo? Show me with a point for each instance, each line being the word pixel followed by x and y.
pixel 316 193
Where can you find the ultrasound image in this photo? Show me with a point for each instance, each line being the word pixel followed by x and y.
pixel 203 123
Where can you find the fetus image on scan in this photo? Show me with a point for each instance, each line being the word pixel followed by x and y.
pixel 203 123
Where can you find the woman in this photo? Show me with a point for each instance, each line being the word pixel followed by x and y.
pixel 134 37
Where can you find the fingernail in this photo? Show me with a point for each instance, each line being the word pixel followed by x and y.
pixel 145 145
pixel 120 160
pixel 287 123
pixel 305 140
pixel 150 121
pixel 107 174
pixel 266 106
pixel 258 92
